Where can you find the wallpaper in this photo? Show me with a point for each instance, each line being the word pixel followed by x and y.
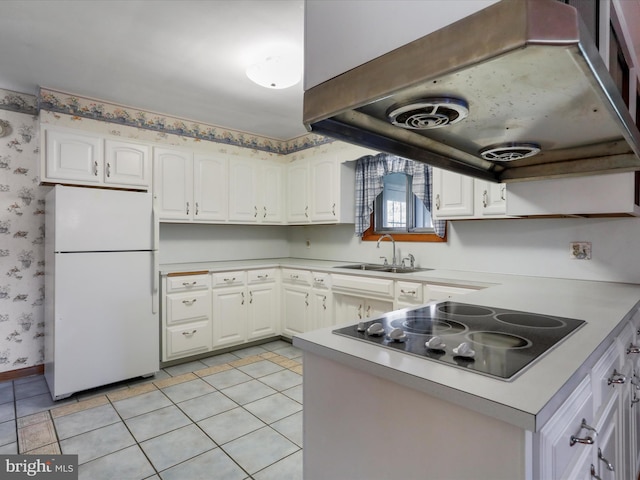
pixel 21 235
pixel 80 107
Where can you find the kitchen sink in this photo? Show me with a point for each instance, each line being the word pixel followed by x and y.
pixel 382 268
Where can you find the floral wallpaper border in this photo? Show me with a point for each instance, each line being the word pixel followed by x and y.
pixel 75 105
pixel 18 102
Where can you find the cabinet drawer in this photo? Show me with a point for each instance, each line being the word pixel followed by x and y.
pixel 377 287
pixel 228 279
pixel 321 280
pixel 188 339
pixel 556 452
pixel 181 282
pixel 298 277
pixel 409 291
pixel 445 292
pixel 187 306
pixel 266 275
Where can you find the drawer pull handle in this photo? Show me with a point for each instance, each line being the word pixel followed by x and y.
pixel 616 379
pixel 232 279
pixel 318 280
pixel 95 168
pixel 108 170
pixel 242 293
pixel 635 399
pixel 360 311
pixel 408 292
pixel 306 211
pixel 197 208
pixel 485 199
pixel 306 300
pixel 189 302
pixel 633 349
pixel 438 201
pixel 188 334
pixel 189 284
pixel 294 277
pixel 593 473
pixel 250 296
pixel 586 440
pixel 255 211
pixel 324 302
pixel 605 461
pixel 262 277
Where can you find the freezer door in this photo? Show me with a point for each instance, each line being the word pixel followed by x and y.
pixel 104 330
pixel 94 220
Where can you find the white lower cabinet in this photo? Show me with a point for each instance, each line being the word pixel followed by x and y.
pixel 444 292
pixel 296 301
pixel 321 301
pixel 186 319
pixel 358 298
pixel 229 316
pixel 263 308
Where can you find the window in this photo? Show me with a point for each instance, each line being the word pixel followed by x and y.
pixel 398 210
pixel 393 195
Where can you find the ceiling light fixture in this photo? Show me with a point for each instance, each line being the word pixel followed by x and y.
pixel 276 71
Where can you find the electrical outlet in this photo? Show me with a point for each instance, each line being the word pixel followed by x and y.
pixel 580 250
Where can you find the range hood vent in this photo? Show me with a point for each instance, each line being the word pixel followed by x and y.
pixel 529 100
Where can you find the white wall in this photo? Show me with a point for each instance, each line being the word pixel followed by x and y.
pixel 184 243
pixel 538 247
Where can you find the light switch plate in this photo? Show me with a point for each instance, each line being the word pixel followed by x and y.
pixel 580 250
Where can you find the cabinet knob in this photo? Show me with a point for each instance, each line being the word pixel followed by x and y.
pixel 616 378
pixel 583 440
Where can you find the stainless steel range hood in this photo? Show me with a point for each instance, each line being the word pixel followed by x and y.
pixel 520 82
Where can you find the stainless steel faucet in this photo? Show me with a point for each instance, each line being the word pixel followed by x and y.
pixel 386 235
pixel 412 261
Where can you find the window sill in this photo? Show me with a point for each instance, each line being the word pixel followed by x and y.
pixel 370 236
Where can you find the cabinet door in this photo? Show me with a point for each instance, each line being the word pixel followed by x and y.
pixel 229 317
pixel 295 309
pixel 263 311
pixel 348 308
pixel 322 311
pixel 243 190
pixel 375 308
pixel 73 156
pixel 210 188
pixel 271 209
pixel 452 194
pixel 324 190
pixel 297 189
pixel 173 184
pixel 127 164
pixel 492 198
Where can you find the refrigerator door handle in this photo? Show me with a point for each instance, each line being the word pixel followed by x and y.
pixel 155 281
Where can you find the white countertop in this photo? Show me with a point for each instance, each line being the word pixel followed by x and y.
pixel 531 398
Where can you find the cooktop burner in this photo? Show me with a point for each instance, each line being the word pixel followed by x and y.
pixel 491 341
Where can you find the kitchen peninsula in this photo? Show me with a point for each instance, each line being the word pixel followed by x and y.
pixel 375 413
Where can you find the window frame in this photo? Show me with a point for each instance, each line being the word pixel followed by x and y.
pixel 370 235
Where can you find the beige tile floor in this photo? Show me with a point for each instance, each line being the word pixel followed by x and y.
pixel 232 416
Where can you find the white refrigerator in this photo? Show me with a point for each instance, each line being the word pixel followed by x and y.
pixel 101 320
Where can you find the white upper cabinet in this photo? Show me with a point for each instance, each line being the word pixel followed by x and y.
pixel 320 190
pixel 453 195
pixel 173 183
pixel 210 187
pixel 243 199
pixel 127 164
pixel 256 193
pixel 458 197
pixel 83 158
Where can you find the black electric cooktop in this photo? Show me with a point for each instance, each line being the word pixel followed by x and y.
pixel 491 341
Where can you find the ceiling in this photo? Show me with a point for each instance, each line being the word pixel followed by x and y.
pixel 182 58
